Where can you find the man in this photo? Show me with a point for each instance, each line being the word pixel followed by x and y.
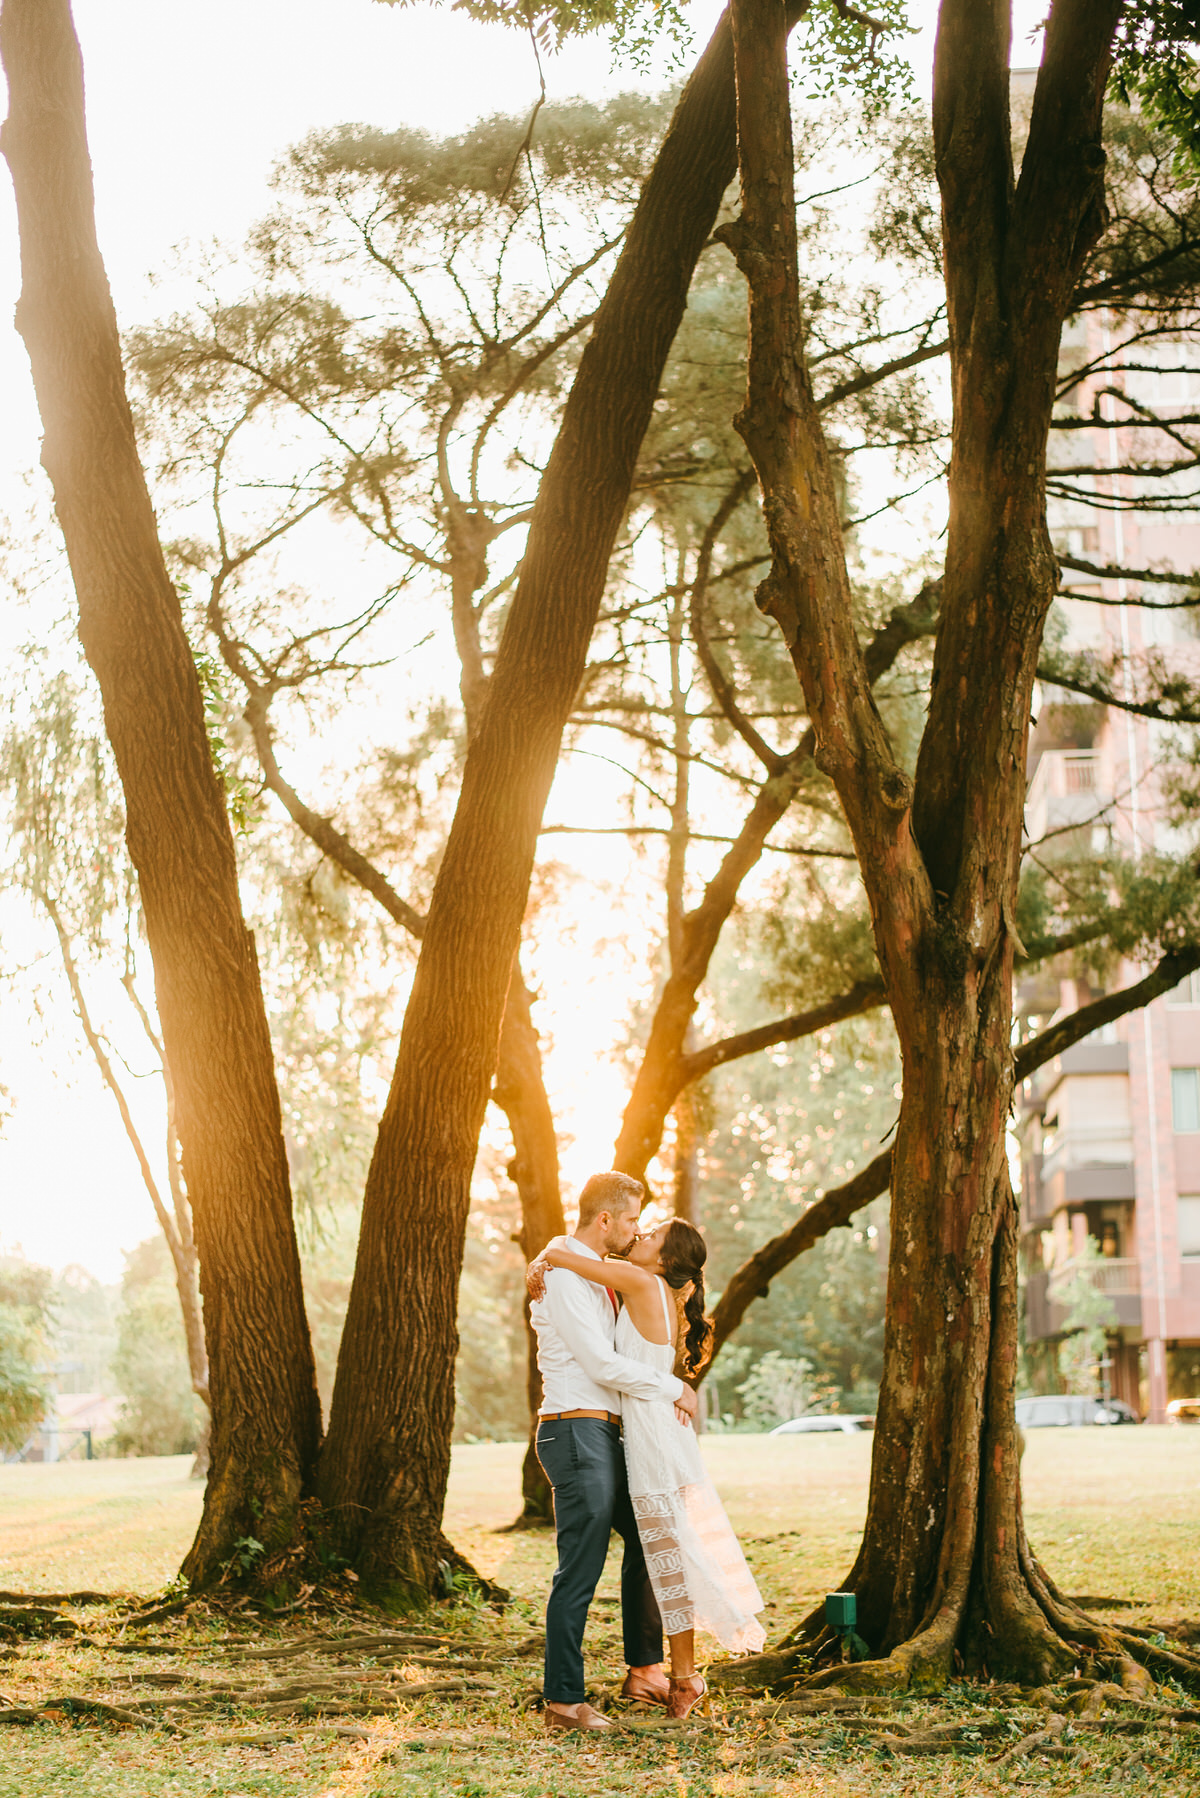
pixel 579 1446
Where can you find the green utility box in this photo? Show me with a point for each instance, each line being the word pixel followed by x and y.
pixel 841 1610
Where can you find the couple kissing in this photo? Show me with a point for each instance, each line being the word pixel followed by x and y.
pixel 616 1440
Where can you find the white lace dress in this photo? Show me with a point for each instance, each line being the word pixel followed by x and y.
pixel 698 1571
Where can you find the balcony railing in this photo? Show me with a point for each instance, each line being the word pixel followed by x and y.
pixel 1114 1276
pixel 1066 791
pixel 1086 1145
pixel 1079 773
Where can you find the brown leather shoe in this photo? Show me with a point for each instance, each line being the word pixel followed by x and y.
pixel 586 1717
pixel 641 1691
pixel 685 1695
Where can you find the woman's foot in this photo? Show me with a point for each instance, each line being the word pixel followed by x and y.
pixel 685 1695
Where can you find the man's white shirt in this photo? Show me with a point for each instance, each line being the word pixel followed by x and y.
pixel 580 1368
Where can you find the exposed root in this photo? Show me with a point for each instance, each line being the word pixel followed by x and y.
pixel 760 1672
pixel 71 1705
pixel 999 1729
pixel 1036 1635
pixel 322 1675
pixel 175 1608
pixel 19 1622
pixel 84 1597
pixel 1038 1739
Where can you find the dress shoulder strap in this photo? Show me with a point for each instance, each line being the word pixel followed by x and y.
pixel 667 1318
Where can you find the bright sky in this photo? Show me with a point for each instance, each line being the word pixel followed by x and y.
pixel 187 111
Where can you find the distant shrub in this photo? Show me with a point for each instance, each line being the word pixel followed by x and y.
pixel 25 1328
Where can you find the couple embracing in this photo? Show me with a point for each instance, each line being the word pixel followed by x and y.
pixel 616 1441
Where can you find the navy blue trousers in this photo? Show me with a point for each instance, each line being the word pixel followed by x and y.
pixel 585 1464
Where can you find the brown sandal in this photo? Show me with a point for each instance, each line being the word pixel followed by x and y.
pixel 684 1696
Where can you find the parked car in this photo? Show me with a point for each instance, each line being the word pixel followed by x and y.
pixel 1184 1410
pixel 1068 1411
pixel 824 1421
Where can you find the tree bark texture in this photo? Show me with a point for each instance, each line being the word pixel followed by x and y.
pixel 939 1570
pixel 266 1418
pixel 520 1092
pixel 384 1470
pixel 520 1086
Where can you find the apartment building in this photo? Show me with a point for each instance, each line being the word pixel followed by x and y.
pixel 1110 1132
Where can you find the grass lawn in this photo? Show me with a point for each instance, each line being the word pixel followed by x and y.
pixel 1113 1514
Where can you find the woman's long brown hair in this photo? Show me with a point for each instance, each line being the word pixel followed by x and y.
pixel 683 1254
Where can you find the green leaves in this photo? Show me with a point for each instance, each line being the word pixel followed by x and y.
pixel 635 25
pixel 240 796
pixel 1156 67
pixel 837 46
pixel 25 1324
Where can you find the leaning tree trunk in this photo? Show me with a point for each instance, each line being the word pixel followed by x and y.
pixel 266 1418
pixel 943 1569
pixel 520 1086
pixel 384 1471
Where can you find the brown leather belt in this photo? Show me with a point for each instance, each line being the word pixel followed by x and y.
pixel 555 1416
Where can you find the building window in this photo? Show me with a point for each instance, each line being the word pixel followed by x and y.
pixel 1187 992
pixel 1189 1227
pixel 1185 1099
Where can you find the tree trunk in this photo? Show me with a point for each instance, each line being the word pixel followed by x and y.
pixel 266 1419
pixel 520 1087
pixel 941 1568
pixel 520 1093
pixel 685 1197
pixel 383 1475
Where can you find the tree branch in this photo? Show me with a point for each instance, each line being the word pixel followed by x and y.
pixel 807 591
pixel 320 830
pixel 719 682
pixel 660 1077
pixel 166 1222
pixel 864 995
pixel 1177 700
pixel 835 1209
pixel 1174 966
pixel 871 377
pixel 1112 571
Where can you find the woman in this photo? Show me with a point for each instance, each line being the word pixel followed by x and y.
pixel 698 1572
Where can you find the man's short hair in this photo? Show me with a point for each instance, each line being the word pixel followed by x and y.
pixel 609 1192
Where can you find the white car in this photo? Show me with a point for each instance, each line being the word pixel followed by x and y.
pixel 825 1421
pixel 1070 1411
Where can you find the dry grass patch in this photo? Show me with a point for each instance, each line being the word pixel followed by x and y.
pixel 1113 1514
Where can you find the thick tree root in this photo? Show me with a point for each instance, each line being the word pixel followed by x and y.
pixel 1026 1631
pixel 1000 1729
